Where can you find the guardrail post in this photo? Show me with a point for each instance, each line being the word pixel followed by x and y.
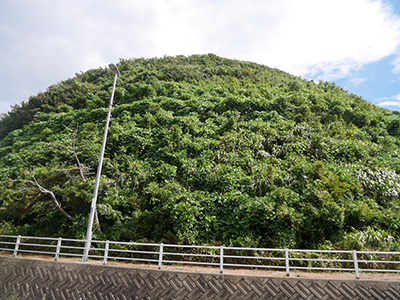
pixel 160 255
pixel 106 247
pixel 221 259
pixel 287 262
pixel 58 248
pixel 356 264
pixel 17 246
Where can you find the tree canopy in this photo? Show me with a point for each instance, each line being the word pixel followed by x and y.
pixel 206 150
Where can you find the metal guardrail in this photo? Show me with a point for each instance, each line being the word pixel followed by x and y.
pixel 222 257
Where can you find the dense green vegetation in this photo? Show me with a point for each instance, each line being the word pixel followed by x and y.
pixel 203 149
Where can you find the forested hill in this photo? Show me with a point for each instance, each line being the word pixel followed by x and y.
pixel 203 149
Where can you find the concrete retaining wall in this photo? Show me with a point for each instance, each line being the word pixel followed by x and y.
pixel 32 279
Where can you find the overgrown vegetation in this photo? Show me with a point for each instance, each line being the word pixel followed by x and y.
pixel 203 149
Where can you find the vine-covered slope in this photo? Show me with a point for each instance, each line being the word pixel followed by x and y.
pixel 203 149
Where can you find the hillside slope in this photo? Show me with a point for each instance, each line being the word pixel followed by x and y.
pixel 203 149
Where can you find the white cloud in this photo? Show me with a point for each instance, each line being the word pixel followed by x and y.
pixel 330 37
pixel 357 80
pixel 396 63
pixel 46 41
pixel 389 101
pixel 309 37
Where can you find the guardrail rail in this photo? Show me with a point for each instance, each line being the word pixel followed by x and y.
pixel 216 256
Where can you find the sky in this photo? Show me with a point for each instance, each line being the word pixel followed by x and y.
pixel 354 43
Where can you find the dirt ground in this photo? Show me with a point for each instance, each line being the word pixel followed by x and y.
pixel 241 271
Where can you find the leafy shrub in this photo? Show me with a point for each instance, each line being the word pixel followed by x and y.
pixel 203 149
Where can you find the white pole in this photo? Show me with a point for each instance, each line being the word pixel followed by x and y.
pixel 356 264
pixel 88 239
pixel 287 262
pixel 221 259
pixel 160 255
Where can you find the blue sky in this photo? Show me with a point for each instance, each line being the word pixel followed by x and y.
pixel 355 43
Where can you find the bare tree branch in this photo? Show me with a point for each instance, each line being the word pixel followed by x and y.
pixel 55 202
pixel 80 167
pixel 96 219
